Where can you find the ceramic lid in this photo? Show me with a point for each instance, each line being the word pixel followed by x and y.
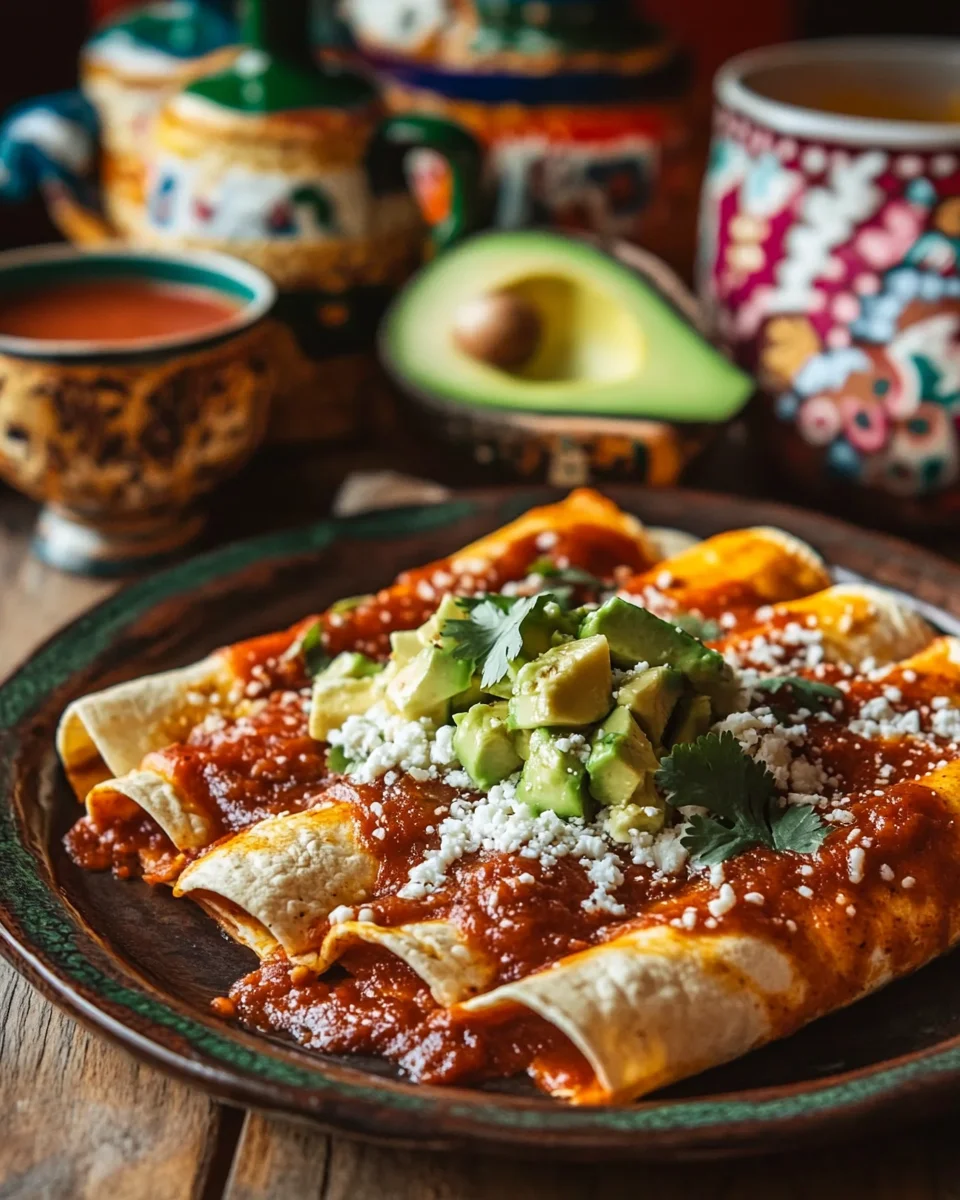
pixel 158 39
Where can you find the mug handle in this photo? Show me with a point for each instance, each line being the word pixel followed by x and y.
pixel 51 145
pixel 398 136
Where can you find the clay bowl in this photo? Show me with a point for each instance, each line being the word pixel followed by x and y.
pixel 569 450
pixel 119 438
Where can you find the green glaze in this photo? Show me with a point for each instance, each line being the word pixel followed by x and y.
pixel 278 73
pixel 183 30
pixel 47 939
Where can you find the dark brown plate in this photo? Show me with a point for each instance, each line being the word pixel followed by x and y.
pixel 142 967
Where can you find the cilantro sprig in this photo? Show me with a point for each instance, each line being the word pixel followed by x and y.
pixel 492 635
pixel 803 693
pixel 742 802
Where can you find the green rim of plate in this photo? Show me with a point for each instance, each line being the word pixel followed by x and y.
pixel 50 946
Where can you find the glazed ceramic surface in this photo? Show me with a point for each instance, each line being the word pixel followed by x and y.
pixel 143 971
pixel 118 440
pixel 581 106
pixel 829 257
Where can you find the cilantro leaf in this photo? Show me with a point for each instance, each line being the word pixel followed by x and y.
pixel 705 629
pixel 315 656
pixel 712 842
pixel 804 693
pixel 492 634
pixel 798 827
pixel 741 798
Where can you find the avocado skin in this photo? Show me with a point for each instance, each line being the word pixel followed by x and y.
pixel 484 744
pixel 651 697
pixel 636 635
pixel 569 685
pixel 621 758
pixel 691 719
pixel 553 779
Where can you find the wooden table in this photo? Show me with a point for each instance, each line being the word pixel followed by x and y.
pixel 80 1118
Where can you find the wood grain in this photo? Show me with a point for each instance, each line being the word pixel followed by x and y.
pixel 81 1119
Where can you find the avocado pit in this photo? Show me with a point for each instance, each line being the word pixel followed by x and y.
pixel 499 328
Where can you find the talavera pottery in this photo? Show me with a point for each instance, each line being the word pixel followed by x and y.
pixel 829 263
pixel 582 106
pixel 296 169
pixel 564 450
pixel 143 970
pixel 120 439
pixel 127 69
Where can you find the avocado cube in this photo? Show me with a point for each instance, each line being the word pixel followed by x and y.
pixel 645 813
pixel 427 681
pixel 635 635
pixel 430 632
pixel 568 685
pixel 350 665
pixel 485 746
pixel 691 719
pixel 404 644
pixel 336 698
pixel 620 759
pixel 651 697
pixel 553 778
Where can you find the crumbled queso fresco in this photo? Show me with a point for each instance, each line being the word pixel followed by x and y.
pixel 381 744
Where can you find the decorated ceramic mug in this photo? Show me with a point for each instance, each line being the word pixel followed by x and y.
pixel 131 383
pixel 830 263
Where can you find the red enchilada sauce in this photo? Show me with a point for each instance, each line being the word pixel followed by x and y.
pixel 112 310
pixel 372 1003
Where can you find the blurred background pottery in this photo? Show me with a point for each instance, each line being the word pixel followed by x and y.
pixel 830 265
pixel 565 360
pixel 582 106
pixel 120 420
pixel 297 169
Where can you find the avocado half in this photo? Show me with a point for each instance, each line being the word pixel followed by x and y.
pixel 609 343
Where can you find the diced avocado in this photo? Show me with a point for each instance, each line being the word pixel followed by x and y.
pixel 635 635
pixel 351 665
pixel 431 631
pixel 404 644
pixel 569 685
pixel 645 813
pixel 429 679
pixel 337 760
pixel 472 694
pixel 484 744
pixel 620 759
pixel 553 778
pixel 521 739
pixel 691 719
pixel 336 697
pixel 651 697
pixel 548 626
pixel 349 603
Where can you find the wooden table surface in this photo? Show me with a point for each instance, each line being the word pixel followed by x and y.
pixel 81 1118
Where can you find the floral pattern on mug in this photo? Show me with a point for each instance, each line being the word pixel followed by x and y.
pixel 835 274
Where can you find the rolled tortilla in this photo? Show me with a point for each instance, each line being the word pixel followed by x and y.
pixel 733 573
pixel 857 623
pixel 435 950
pixel 656 1005
pixel 186 824
pixel 108 733
pixel 273 884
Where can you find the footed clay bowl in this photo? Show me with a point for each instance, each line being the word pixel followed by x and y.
pixel 119 435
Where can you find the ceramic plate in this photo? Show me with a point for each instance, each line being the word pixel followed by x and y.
pixel 142 970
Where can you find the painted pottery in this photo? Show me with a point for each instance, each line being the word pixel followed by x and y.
pixel 127 69
pixel 120 438
pixel 298 170
pixel 829 262
pixel 581 105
